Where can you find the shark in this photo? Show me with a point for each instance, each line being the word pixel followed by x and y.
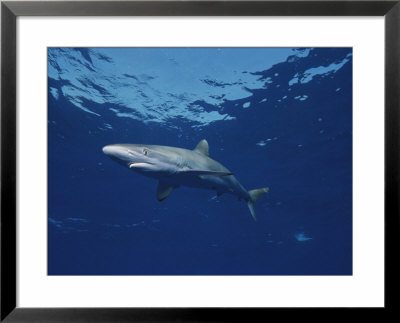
pixel 174 167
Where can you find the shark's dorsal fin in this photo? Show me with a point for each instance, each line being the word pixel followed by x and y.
pixel 163 190
pixel 202 147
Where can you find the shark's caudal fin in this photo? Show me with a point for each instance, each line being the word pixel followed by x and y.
pixel 255 195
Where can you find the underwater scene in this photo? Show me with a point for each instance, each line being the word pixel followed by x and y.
pixel 200 161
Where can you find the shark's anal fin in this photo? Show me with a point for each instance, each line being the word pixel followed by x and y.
pixel 202 147
pixel 163 190
pixel 204 172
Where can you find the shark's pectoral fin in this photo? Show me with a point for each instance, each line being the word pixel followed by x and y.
pixel 163 190
pixel 196 172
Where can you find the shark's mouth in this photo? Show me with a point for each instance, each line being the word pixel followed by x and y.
pixel 137 165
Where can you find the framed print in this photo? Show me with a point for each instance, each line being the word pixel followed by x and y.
pixel 197 161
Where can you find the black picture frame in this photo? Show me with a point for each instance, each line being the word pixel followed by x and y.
pixel 10 10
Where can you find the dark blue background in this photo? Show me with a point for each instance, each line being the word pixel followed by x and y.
pixel 106 220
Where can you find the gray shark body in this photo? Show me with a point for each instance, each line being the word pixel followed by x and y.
pixel 174 167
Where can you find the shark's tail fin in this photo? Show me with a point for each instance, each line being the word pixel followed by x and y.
pixel 254 196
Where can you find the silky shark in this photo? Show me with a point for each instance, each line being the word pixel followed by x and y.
pixel 173 167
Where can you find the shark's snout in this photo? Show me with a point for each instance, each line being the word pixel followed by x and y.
pixel 109 150
pixel 117 153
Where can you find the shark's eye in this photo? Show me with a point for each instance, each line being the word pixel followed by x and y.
pixel 145 152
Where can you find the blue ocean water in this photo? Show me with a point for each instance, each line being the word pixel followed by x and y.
pixel 276 117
